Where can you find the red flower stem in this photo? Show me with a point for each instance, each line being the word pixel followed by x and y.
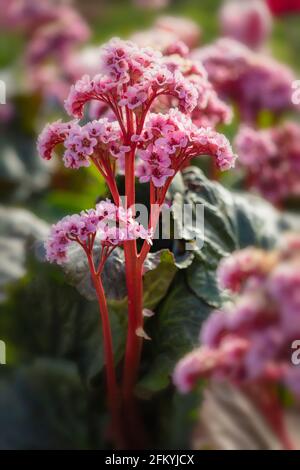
pixel 134 281
pixel 214 171
pixel 110 180
pixel 113 397
pixel 135 321
pixel 269 405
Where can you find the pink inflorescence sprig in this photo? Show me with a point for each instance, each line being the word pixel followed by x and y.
pixel 107 224
pixel 130 137
pixel 271 160
pixel 131 76
pixel 131 80
pixel 249 342
pixel 169 141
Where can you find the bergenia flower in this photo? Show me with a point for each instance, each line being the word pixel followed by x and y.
pixel 248 342
pixel 132 79
pixel 281 7
pixel 108 224
pixel 253 81
pixel 153 146
pixel 247 21
pixel 52 33
pixel 271 160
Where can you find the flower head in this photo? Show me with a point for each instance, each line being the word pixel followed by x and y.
pixel 107 223
pixel 271 160
pixel 253 81
pixel 248 21
pixel 249 341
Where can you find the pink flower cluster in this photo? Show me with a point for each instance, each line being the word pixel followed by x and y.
pixel 254 82
pixel 248 21
pixel 96 140
pixel 210 109
pixel 249 341
pixel 26 14
pixel 168 141
pixel 271 159
pixel 107 223
pixel 133 79
pixel 132 76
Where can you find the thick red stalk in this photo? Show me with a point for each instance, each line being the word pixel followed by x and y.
pixel 267 401
pixel 135 320
pixel 113 396
pixel 134 279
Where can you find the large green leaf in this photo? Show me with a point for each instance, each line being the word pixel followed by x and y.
pixel 159 271
pixel 20 232
pixel 160 268
pixel 43 406
pixel 45 317
pixel 231 221
pixel 113 276
pixel 174 331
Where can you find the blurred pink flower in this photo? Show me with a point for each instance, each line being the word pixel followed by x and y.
pixel 52 32
pixel 249 341
pixel 186 30
pixel 271 159
pixel 248 21
pixel 254 82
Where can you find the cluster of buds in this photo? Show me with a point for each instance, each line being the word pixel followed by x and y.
pixel 249 342
pixel 253 81
pixel 107 224
pixel 247 21
pixel 271 159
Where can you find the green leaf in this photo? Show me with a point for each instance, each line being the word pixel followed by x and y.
pixel 20 232
pixel 174 331
pixel 22 172
pixel 160 270
pixel 43 406
pixel 201 279
pixel 231 221
pixel 48 318
pixel 113 276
